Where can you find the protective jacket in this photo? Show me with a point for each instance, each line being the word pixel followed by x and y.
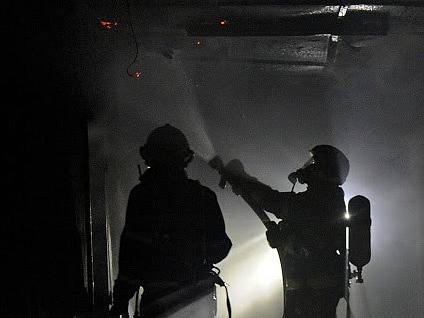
pixel 312 245
pixel 174 232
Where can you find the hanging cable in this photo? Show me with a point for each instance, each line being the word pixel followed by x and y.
pixel 137 73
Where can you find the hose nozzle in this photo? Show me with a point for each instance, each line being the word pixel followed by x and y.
pixel 234 168
pixel 217 164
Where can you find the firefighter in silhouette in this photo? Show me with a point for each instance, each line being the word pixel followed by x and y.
pixel 311 234
pixel 173 235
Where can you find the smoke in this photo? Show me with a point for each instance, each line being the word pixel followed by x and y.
pixel 376 113
pixel 372 111
pixel 165 94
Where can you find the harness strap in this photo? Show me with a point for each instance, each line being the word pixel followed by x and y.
pixel 221 283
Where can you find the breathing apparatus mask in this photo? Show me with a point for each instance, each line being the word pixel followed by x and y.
pixel 302 173
pixel 327 164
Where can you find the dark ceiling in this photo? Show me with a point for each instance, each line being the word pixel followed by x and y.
pixel 267 35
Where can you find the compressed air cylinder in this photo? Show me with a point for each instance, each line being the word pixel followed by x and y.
pixel 359 231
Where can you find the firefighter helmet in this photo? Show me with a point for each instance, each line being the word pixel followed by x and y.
pixel 331 162
pixel 166 145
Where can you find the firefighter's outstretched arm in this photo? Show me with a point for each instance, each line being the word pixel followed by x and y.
pixel 270 200
pixel 278 203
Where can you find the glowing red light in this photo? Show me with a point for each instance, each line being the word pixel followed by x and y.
pixel 223 22
pixel 108 24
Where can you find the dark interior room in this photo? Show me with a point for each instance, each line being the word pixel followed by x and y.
pixel 261 81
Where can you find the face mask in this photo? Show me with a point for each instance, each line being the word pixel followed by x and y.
pixel 302 173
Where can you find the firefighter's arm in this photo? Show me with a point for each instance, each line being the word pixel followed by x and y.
pixel 127 241
pixel 218 243
pixel 278 203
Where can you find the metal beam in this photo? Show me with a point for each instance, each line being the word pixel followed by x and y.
pixel 252 61
pixel 354 23
pixel 417 3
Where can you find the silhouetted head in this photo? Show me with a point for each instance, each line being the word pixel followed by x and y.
pixel 327 165
pixel 166 146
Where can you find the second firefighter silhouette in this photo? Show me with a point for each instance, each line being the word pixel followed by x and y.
pixel 311 236
pixel 174 233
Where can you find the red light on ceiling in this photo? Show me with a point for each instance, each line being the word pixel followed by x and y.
pixel 108 24
pixel 223 23
pixel 137 74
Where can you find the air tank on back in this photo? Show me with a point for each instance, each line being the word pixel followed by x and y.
pixel 359 233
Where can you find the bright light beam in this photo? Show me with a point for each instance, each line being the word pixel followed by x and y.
pixel 254 276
